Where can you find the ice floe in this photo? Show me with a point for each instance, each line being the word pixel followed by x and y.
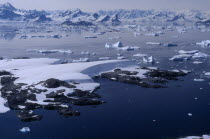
pixel 153 43
pixel 199 80
pixel 187 55
pixel 119 46
pixel 81 60
pixel 197 62
pixel 152 34
pixel 44 51
pixel 181 57
pixel 197 137
pixel 189 114
pixel 25 129
pixel 140 55
pixel 129 48
pixel 204 43
pixel 90 37
pixel 120 57
pixel 207 73
pixel 188 52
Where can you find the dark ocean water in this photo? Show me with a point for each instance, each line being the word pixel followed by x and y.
pixel 130 111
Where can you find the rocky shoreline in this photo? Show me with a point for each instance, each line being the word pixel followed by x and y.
pixel 19 98
pixel 26 93
pixel 150 78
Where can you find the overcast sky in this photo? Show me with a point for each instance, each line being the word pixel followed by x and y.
pixel 94 5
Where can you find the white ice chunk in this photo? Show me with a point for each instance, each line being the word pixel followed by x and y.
pixel 128 48
pixel 200 55
pixel 197 137
pixel 104 58
pixel 199 80
pixel 204 43
pixel 140 55
pixel 207 74
pixel 117 45
pixel 181 57
pixel 153 43
pixel 25 129
pixel 188 52
pixel 148 60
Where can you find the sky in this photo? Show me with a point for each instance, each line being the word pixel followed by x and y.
pixel 94 5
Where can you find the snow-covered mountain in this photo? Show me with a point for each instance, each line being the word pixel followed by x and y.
pixel 7 6
pixel 116 17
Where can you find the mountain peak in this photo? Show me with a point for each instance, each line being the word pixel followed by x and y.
pixel 7 6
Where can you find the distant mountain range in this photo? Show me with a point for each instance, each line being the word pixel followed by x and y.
pixel 115 17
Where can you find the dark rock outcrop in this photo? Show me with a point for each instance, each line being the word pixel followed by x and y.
pixel 28 116
pixel 54 83
pixel 155 78
pixel 78 23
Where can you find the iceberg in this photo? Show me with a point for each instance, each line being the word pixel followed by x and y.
pixel 104 58
pixel 148 60
pixel 188 52
pixel 187 55
pixel 200 55
pixel 204 43
pixel 25 129
pixel 181 57
pixel 207 74
pixel 115 45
